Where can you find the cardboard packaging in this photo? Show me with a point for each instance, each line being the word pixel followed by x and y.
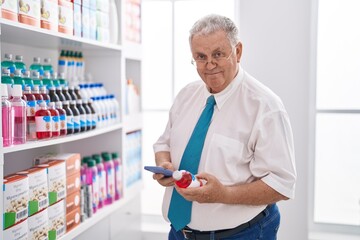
pixel 29 12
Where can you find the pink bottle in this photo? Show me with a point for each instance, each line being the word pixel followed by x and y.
pixel 7 116
pixel 92 180
pixel 110 178
pixel 185 179
pixel 102 179
pixel 30 114
pixel 19 107
pixel 118 175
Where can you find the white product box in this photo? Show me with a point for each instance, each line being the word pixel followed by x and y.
pixel 18 231
pixel 57 223
pixel 39 226
pixel 16 199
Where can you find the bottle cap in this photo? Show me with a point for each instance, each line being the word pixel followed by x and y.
pixel 16 90
pixel 106 156
pixel 91 162
pixel 47 60
pixel 18 72
pixel 115 155
pixel 58 104
pixel 85 159
pixel 36 60
pixel 8 56
pixel 51 104
pixel 5 71
pixel 19 58
pixel 97 158
pixel 35 74
pixel 177 175
pixel 4 91
pixel 46 74
pixel 42 104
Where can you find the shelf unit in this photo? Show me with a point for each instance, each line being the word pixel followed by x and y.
pixel 108 64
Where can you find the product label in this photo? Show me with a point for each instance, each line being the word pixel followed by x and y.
pixel 43 123
pixel 76 122
pixel 118 176
pixel 10 5
pixel 70 122
pixel 17 232
pixel 102 185
pixel 55 124
pixel 82 120
pixel 95 190
pixel 110 183
pixel 30 8
pixel 30 108
pixel 38 226
pixel 63 120
pixel 57 224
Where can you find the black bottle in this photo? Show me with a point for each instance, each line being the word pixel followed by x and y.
pixel 53 96
pixel 94 116
pixel 65 91
pixel 76 114
pixel 82 115
pixel 88 114
pixel 60 94
pixel 69 118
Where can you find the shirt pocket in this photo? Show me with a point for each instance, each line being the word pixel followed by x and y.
pixel 225 158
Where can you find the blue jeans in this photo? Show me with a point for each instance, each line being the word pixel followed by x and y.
pixel 265 229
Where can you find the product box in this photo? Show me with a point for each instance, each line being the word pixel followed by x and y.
pixel 9 9
pixel 73 219
pixel 15 199
pixel 49 14
pixel 73 183
pixel 38 225
pixel 29 12
pixel 73 201
pixel 57 223
pixel 38 189
pixel 56 179
pixel 18 231
pixel 72 160
pixel 66 17
pixel 85 26
pixel 77 20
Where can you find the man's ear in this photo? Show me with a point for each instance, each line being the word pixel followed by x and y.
pixel 238 51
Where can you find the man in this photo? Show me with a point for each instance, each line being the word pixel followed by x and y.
pixel 246 156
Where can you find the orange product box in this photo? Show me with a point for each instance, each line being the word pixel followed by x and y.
pixel 73 201
pixel 56 179
pixel 29 12
pixel 66 17
pixel 73 219
pixel 72 160
pixel 49 14
pixel 9 10
pixel 15 199
pixel 73 183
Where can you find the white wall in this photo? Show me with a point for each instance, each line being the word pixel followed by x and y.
pixel 276 50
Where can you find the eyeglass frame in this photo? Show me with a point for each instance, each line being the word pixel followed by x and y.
pixel 213 59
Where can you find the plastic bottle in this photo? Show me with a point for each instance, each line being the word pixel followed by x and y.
pixel 102 179
pixel 46 97
pixel 93 115
pixel 27 79
pixel 54 78
pixel 62 118
pixel 88 114
pixel 19 107
pixel 43 122
pixel 98 112
pixel 7 116
pixel 69 118
pixel 110 178
pixel 72 93
pixel 55 120
pixel 62 64
pixel 36 66
pixel 61 78
pixel 76 115
pixel 7 80
pixel 77 92
pixel 83 169
pixel 116 107
pixel 65 92
pixel 118 175
pixel 47 81
pixel 185 179
pixel 30 114
pixel 18 79
pixel 92 180
pixel 8 63
pixel 58 92
pixel 53 96
pixel 47 65
pixel 82 115
pixel 35 76
pixel 39 98
pixel 19 64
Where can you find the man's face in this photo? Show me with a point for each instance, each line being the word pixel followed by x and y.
pixel 216 61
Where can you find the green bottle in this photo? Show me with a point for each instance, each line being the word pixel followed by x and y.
pixel 19 64
pixel 8 63
pixel 27 79
pixel 18 79
pixel 36 67
pixel 35 76
pixel 47 65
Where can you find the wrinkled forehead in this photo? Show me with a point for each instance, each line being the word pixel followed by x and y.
pixel 216 41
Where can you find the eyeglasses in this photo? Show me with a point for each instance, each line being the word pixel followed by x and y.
pixel 217 57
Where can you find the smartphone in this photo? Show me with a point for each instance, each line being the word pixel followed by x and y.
pixel 156 169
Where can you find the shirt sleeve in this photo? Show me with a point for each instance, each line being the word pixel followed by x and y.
pixel 274 157
pixel 163 143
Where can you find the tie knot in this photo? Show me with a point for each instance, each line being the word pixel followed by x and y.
pixel 211 101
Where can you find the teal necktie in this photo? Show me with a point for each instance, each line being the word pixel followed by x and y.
pixel 180 209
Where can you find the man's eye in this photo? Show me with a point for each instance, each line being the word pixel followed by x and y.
pixel 218 55
pixel 200 57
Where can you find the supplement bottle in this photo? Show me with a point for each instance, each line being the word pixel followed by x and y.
pixel 36 66
pixel 110 178
pixel 185 179
pixel 76 115
pixel 118 175
pixel 92 180
pixel 19 108
pixel 69 118
pixel 62 118
pixel 43 122
pixel 55 119
pixel 8 63
pixel 82 115
pixel 102 179
pixel 7 116
pixel 30 114
pixel 19 64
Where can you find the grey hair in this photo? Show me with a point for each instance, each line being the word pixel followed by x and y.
pixel 213 23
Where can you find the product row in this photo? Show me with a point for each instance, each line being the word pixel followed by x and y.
pixel 58 193
pixel 86 18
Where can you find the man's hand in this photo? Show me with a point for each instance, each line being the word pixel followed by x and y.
pixel 162 180
pixel 212 192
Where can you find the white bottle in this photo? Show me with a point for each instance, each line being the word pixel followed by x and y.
pixel 113 22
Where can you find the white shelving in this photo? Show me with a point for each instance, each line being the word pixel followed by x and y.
pixel 108 64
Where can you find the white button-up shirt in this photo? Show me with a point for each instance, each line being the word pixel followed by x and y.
pixel 249 138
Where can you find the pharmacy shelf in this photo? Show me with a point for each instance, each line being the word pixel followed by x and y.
pixel 133 122
pixel 130 194
pixel 59 140
pixel 19 33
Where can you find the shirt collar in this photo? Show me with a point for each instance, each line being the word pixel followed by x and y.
pixel 222 96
